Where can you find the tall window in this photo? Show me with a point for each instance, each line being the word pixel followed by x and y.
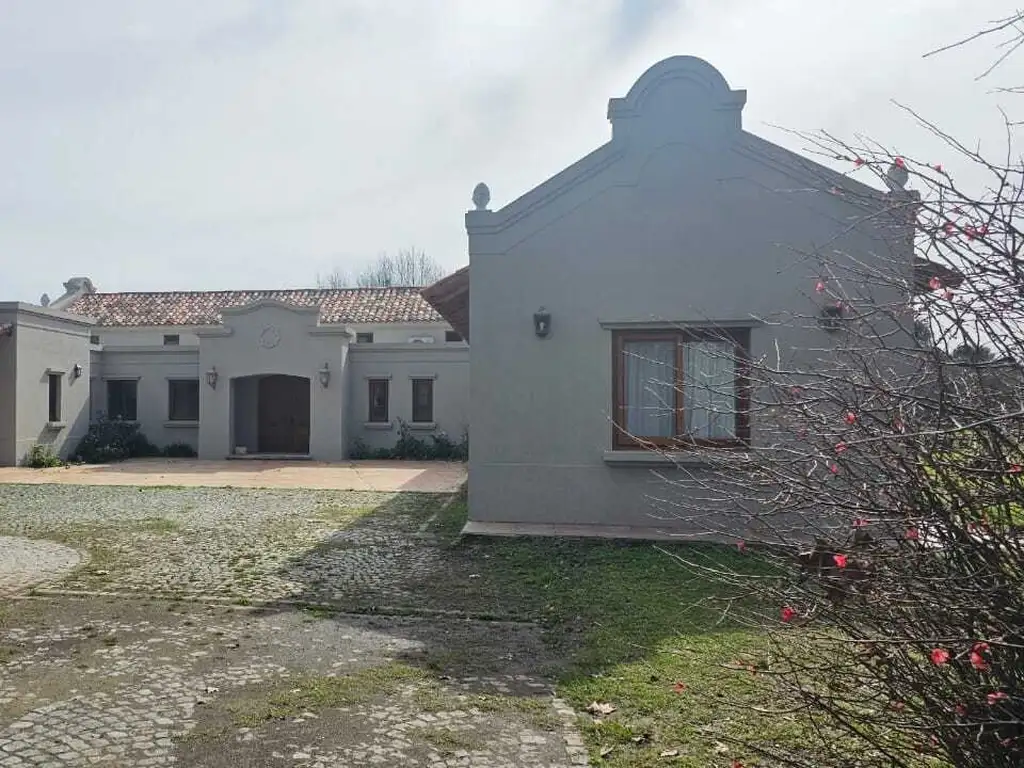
pixel 422 401
pixel 183 400
pixel 53 381
pixel 674 388
pixel 122 399
pixel 378 401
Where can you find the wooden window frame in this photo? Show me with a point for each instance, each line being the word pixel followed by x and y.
pixel 740 338
pixel 171 400
pixel 429 382
pixel 370 384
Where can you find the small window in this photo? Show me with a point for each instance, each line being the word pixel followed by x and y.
pixel 422 401
pixel 183 400
pixel 94 338
pixel 364 338
pixel 53 380
pixel 379 401
pixel 122 399
pixel 452 337
pixel 171 339
pixel 679 388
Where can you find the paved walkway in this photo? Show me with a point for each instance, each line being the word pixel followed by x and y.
pixel 26 562
pixel 425 476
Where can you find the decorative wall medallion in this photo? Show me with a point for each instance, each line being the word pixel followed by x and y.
pixel 270 337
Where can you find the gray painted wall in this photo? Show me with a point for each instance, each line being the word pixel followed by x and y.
pixel 678 219
pixel 45 341
pixel 273 338
pixel 449 367
pixel 152 368
pixel 8 378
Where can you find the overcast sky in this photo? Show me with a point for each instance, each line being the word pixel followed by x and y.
pixel 216 144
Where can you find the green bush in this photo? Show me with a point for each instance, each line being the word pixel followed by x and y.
pixel 439 447
pixel 179 451
pixel 41 457
pixel 113 440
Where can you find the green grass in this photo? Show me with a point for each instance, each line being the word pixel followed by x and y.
pixel 448 741
pixel 159 525
pixel 628 622
pixel 8 652
pixel 314 693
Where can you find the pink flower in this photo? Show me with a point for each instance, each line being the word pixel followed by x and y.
pixel 983 230
pixel 898 706
pixel 841 447
pixel 850 418
pixel 935 284
pixel 970 232
pixel 960 710
pixel 834 469
pixel 1015 469
pixel 900 162
pixel 977 659
pixel 787 614
pixel 858 162
pixel 950 228
pixel 860 522
pixel 939 656
pixel 840 560
pixel 912 534
pixel 741 545
pixel 938 167
pixel 820 286
pixel 796 391
pixel 948 295
pixel 679 687
pixel 995 697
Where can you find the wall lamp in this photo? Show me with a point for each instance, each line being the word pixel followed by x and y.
pixel 76 371
pixel 325 376
pixel 211 377
pixel 542 323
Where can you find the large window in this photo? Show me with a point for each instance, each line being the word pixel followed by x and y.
pixel 378 401
pixel 679 388
pixel 122 399
pixel 53 381
pixel 422 401
pixel 183 400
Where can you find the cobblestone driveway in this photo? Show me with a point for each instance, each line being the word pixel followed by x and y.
pixel 101 671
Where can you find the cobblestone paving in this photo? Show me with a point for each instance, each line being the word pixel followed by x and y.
pixel 251 544
pixel 119 678
pixel 25 562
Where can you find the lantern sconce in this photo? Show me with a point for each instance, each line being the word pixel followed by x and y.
pixel 76 371
pixel 325 375
pixel 211 377
pixel 542 323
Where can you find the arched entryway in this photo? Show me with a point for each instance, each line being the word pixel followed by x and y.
pixel 271 414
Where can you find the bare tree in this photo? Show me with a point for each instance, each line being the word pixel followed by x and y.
pixel 408 267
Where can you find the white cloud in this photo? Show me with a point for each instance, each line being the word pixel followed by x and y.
pixel 254 144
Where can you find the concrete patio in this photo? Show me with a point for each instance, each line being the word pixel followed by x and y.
pixel 385 476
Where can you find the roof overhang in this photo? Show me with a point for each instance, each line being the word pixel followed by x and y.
pixel 925 270
pixel 450 297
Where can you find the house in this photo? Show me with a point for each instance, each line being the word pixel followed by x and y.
pixel 599 304
pixel 304 373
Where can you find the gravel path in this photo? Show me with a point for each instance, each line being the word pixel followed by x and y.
pixel 27 562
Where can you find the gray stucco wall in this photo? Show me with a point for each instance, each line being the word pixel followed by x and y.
pixel 269 338
pixel 152 368
pixel 45 342
pixel 448 367
pixel 682 218
pixel 8 377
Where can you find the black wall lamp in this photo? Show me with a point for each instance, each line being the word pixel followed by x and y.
pixel 542 323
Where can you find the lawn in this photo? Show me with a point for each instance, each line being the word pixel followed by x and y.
pixel 636 633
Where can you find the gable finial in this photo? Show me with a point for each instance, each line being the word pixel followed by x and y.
pixel 481 196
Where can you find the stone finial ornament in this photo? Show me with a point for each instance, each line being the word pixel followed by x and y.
pixel 896 177
pixel 481 196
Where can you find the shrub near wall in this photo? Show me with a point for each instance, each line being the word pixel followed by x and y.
pixel 439 447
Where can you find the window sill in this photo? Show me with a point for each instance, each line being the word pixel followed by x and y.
pixel 426 426
pixel 378 425
pixel 174 423
pixel 640 458
pixel 55 425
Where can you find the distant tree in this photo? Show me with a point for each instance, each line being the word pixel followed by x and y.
pixel 408 267
pixel 973 353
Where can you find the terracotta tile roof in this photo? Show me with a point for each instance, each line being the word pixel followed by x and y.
pixel 337 305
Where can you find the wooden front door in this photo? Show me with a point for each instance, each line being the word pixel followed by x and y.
pixel 283 414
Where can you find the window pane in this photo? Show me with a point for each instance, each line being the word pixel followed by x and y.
pixel 649 396
pixel 709 390
pixel 183 400
pixel 378 400
pixel 423 400
pixel 121 400
pixel 53 381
